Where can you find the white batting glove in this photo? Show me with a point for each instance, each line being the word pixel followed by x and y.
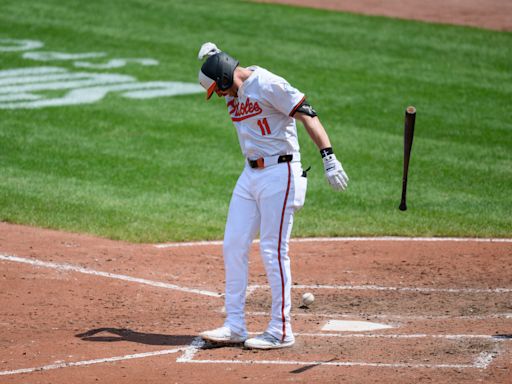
pixel 207 49
pixel 334 172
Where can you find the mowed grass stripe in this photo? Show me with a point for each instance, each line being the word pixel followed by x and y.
pixel 163 169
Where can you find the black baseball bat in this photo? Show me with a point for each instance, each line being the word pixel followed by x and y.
pixel 410 118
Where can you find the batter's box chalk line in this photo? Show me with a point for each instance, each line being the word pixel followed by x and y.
pixel 251 289
pixel 190 352
pixel 58 365
pixel 87 271
pixel 481 362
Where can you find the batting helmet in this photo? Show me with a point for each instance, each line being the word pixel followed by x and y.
pixel 218 71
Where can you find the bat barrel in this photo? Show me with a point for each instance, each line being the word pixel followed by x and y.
pixel 410 117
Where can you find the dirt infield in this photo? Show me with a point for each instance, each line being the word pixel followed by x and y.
pixel 490 14
pixel 81 309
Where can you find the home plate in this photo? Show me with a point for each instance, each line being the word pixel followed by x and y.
pixel 353 326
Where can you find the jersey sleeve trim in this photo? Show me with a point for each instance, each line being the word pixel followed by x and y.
pixel 297 106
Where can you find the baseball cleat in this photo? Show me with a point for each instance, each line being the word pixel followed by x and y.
pixel 223 335
pixel 267 341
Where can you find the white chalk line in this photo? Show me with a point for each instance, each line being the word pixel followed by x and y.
pixel 190 244
pixel 337 364
pixel 371 287
pixel 190 352
pixel 251 288
pixel 75 268
pixel 92 362
pixel 396 317
pixel 391 317
pixel 403 336
pixel 482 361
pixel 347 239
pixel 358 316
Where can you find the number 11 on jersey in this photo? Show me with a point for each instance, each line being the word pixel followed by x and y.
pixel 263 124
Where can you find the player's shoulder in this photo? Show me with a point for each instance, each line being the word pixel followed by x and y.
pixel 265 80
pixel 265 76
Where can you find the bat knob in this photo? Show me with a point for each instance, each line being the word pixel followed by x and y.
pixel 402 207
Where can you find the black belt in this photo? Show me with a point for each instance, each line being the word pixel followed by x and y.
pixel 260 163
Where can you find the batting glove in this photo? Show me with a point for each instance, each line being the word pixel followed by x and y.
pixel 334 172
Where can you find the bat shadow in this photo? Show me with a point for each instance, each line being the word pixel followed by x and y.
pixel 308 367
pixel 109 335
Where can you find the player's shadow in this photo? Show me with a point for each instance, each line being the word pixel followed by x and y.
pixel 123 334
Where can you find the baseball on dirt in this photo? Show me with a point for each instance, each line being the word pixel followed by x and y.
pixel 308 298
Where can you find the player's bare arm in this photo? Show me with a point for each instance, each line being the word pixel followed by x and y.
pixel 334 171
pixel 315 129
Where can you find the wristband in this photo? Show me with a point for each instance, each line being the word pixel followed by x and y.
pixel 326 152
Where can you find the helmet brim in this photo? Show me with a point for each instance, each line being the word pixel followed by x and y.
pixel 209 91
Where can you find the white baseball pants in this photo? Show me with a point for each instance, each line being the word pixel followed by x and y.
pixel 263 200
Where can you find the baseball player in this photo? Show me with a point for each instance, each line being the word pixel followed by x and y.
pixel 271 188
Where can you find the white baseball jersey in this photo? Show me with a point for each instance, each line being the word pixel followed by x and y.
pixel 262 114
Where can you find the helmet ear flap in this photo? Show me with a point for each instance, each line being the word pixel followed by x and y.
pixel 226 81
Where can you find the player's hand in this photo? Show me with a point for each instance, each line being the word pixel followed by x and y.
pixel 335 173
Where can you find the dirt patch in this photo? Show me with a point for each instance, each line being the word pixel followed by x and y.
pixel 490 14
pixel 71 302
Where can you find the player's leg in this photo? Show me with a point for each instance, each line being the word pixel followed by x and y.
pixel 274 253
pixel 282 195
pixel 241 227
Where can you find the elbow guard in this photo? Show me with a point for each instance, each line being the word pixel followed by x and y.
pixel 306 109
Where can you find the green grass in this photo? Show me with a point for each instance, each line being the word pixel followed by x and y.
pixel 163 169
